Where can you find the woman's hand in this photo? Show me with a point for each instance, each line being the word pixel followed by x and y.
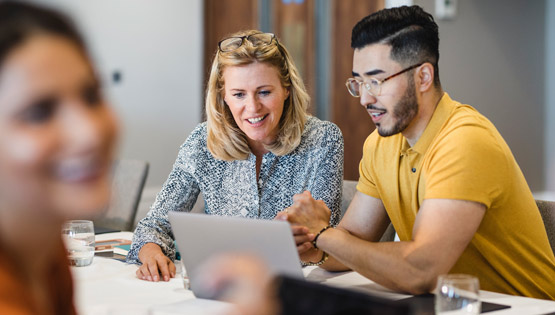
pixel 155 265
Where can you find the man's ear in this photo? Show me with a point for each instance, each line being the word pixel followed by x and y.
pixel 425 77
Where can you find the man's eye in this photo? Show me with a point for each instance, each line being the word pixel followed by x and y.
pixel 374 83
pixel 40 111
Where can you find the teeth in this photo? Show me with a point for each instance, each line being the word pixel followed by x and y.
pixel 255 120
pixel 76 169
pixel 376 114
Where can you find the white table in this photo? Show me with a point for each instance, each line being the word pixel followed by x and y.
pixel 109 286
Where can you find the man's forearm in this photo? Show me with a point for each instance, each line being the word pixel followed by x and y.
pixel 389 264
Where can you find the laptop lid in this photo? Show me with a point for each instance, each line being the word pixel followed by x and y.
pixel 200 236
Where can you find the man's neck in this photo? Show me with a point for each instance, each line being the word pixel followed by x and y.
pixel 427 105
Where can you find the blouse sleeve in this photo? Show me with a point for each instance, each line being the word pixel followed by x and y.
pixel 328 183
pixel 179 193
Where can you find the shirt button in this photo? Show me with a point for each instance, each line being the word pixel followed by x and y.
pixel 413 170
pixel 260 182
pixel 244 212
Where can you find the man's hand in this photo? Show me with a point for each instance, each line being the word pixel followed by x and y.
pixel 301 234
pixel 307 217
pixel 156 265
pixel 308 212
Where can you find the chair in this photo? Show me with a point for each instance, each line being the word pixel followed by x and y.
pixel 349 190
pixel 199 204
pixel 127 188
pixel 547 211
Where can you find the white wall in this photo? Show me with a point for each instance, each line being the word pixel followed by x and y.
pixel 492 56
pixel 157 47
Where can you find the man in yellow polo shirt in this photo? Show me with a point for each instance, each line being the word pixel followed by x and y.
pixel 435 168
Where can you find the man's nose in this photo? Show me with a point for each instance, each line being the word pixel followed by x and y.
pixel 366 98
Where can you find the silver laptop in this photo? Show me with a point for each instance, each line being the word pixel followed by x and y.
pixel 200 236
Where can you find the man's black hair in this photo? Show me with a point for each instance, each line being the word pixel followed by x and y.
pixel 410 31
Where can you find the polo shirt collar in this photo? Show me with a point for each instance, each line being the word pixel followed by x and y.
pixel 441 114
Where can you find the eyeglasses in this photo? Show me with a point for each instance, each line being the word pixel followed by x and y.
pixel 259 39
pixel 373 86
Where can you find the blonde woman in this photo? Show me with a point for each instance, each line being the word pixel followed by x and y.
pixel 57 138
pixel 257 149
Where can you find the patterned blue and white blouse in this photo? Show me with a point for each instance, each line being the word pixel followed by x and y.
pixel 230 188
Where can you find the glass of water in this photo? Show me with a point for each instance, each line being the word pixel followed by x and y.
pixel 457 294
pixel 78 236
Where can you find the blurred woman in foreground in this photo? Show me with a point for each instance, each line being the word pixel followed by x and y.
pixel 56 142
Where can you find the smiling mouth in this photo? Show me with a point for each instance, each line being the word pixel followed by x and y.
pixel 376 113
pixel 80 170
pixel 257 119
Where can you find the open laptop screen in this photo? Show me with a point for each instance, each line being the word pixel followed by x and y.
pixel 200 236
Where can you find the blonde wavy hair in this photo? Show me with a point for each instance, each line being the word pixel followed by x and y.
pixel 225 140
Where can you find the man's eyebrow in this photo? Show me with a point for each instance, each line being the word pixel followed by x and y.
pixel 369 73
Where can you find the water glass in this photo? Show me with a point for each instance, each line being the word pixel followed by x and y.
pixel 457 294
pixel 78 236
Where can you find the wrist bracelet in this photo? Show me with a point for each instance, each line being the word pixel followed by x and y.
pixel 323 260
pixel 318 235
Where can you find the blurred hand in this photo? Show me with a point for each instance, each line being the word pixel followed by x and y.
pixel 240 279
pixel 156 266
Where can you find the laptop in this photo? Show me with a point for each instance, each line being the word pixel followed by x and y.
pixel 200 236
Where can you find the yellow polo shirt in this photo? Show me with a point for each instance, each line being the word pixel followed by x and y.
pixel 462 156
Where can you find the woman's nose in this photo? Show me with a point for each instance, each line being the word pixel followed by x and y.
pixel 252 103
pixel 83 127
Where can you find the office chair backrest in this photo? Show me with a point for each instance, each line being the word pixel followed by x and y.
pixel 349 190
pixel 127 187
pixel 547 211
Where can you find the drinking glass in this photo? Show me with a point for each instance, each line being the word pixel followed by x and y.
pixel 457 294
pixel 78 236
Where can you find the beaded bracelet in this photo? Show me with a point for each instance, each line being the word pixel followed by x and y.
pixel 318 235
pixel 323 260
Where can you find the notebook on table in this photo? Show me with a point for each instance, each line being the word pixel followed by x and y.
pixel 200 236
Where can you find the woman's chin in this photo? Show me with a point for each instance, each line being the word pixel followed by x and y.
pixel 86 212
pixel 80 204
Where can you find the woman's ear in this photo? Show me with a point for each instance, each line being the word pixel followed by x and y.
pixel 425 79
